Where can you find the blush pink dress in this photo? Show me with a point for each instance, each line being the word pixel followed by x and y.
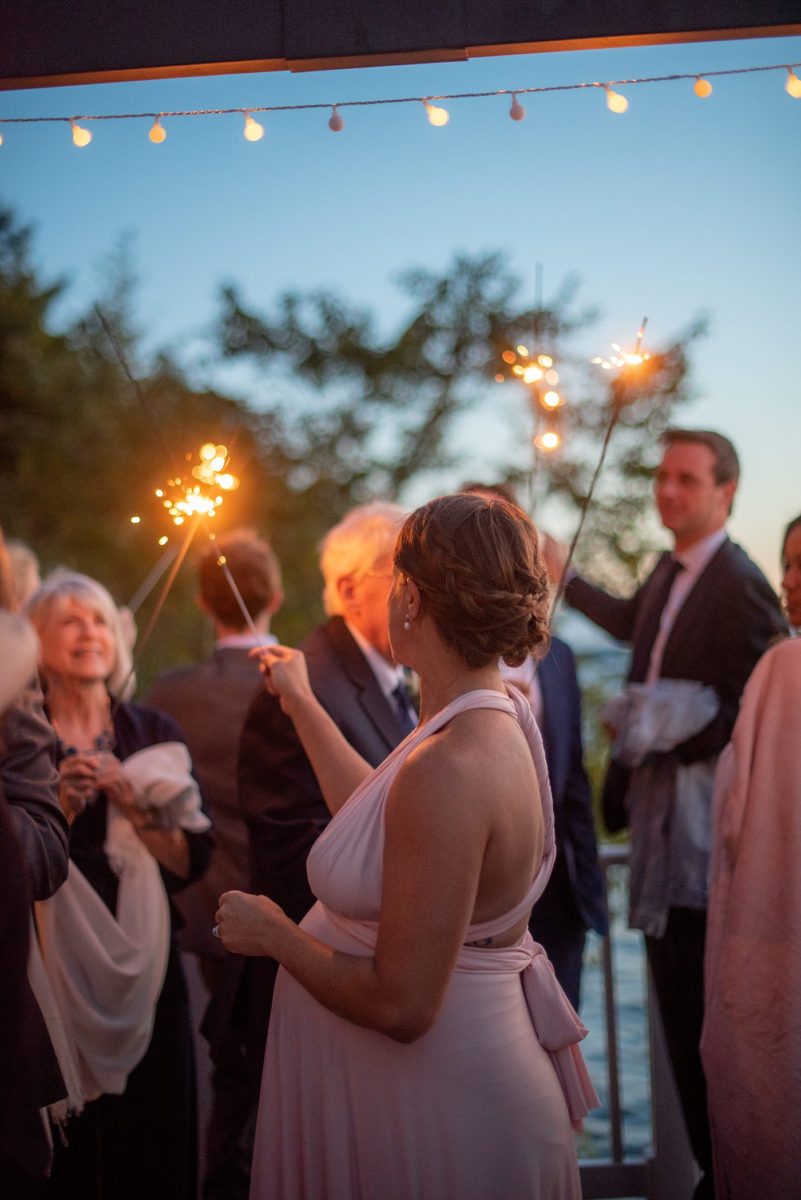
pixel 483 1105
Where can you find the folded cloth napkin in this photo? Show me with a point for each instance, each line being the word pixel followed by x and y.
pixel 654 718
pixel 162 781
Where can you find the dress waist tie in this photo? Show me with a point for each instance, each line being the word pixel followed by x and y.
pixel 556 1024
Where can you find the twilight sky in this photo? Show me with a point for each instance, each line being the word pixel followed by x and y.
pixel 677 208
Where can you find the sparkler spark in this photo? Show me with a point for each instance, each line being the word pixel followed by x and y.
pixel 621 359
pixel 183 497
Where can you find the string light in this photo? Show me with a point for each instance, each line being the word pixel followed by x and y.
pixel 436 115
pixel 158 133
pixel 80 136
pixel 552 399
pixel 516 110
pixel 614 101
pixel 253 131
pixel 335 121
pixel 702 88
pixel 792 84
pixel 548 440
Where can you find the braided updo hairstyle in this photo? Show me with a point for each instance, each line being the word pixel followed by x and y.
pixel 481 579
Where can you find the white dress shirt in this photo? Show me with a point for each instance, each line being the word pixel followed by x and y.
pixel 693 560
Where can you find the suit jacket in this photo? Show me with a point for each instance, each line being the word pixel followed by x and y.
pixel 30 782
pixel 723 627
pixel 285 812
pixel 572 799
pixel 210 701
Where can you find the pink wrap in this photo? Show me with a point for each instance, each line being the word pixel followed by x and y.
pixel 751 1043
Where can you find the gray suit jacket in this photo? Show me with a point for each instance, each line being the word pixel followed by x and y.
pixel 210 702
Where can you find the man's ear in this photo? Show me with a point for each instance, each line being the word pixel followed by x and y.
pixel 347 590
pixel 275 603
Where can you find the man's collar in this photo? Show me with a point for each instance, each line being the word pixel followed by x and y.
pixel 387 674
pixel 695 557
pixel 244 641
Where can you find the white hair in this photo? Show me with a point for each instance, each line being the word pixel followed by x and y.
pixel 362 538
pixel 61 585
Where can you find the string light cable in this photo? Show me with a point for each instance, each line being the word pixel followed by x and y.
pixel 253 131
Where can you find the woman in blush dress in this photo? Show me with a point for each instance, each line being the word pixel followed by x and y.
pixel 419 1044
pixel 751 1042
pixel 111 983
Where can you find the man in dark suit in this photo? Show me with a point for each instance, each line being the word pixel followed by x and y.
pixel 573 901
pixel 355 678
pixel 706 614
pixel 210 701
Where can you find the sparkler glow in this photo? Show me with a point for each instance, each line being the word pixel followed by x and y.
pixel 620 358
pixel 184 498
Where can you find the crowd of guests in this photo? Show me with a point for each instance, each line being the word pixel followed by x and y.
pixel 366 946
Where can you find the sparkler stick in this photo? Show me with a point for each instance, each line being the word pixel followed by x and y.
pixel 622 361
pixel 142 641
pixel 222 562
pixel 151 579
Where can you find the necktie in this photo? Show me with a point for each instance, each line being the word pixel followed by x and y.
pixel 404 707
pixel 645 634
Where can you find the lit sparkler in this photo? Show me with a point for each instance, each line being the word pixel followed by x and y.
pixel 621 359
pixel 202 493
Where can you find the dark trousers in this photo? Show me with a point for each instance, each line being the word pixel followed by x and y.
pixel 677 969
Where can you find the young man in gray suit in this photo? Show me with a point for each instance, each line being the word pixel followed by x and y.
pixel 705 614
pixel 356 679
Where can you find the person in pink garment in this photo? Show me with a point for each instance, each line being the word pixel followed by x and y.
pixel 751 1042
pixel 419 1044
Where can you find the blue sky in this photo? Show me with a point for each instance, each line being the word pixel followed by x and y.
pixel 677 208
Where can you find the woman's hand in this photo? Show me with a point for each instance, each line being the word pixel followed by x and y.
pixel 111 780
pixel 285 675
pixel 78 784
pixel 249 924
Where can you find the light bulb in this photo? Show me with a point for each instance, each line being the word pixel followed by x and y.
pixel 436 115
pixel 1 139
pixel 509 356
pixel 552 377
pixel 792 84
pixel 157 133
pixel 702 88
pixel 80 136
pixel 253 131
pixel 532 374
pixel 615 102
pixel 547 441
pixel 335 122
pixel 551 399
pixel 545 360
pixel 516 110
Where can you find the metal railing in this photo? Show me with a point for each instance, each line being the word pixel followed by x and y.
pixel 665 1171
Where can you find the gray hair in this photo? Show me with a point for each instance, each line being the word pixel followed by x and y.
pixel 362 538
pixel 62 584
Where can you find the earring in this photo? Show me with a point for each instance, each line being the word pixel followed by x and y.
pixel 407 623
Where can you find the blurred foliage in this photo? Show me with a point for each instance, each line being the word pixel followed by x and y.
pixel 351 415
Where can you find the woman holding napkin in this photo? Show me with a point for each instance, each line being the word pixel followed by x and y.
pixel 109 979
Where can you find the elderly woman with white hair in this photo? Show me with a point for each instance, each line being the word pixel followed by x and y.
pixel 111 983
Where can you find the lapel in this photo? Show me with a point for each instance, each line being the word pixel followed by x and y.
pixel 699 604
pixel 547 673
pixel 371 700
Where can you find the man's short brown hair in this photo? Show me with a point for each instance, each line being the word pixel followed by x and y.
pixel 727 465
pixel 255 570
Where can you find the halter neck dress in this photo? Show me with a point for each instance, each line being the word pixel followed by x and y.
pixel 483 1105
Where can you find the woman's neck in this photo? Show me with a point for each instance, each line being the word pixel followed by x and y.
pixel 79 712
pixel 443 682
